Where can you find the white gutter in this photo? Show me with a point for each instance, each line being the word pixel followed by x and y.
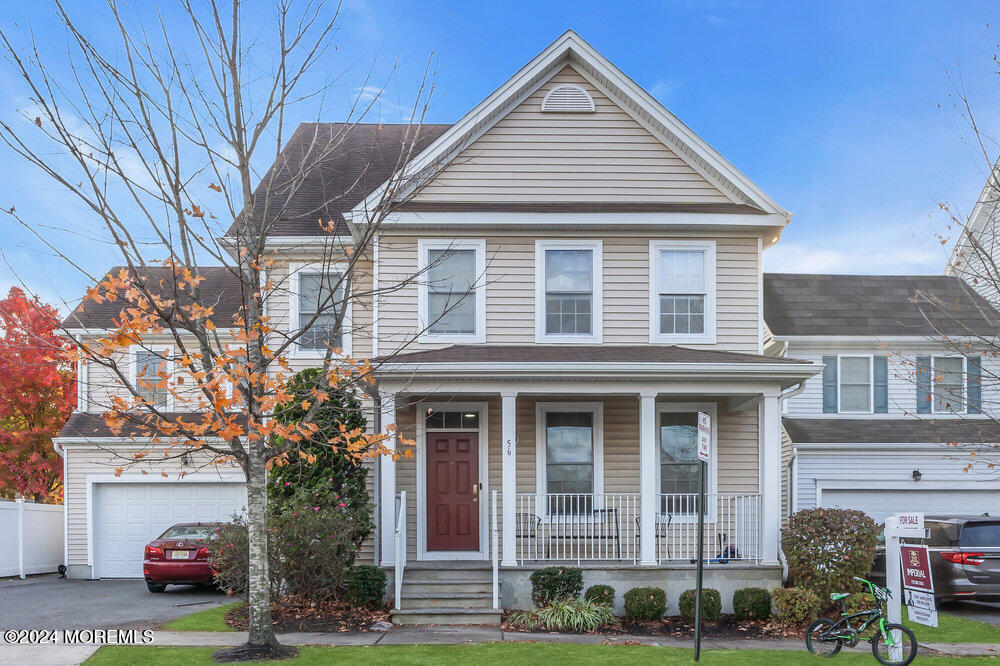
pixel 785 395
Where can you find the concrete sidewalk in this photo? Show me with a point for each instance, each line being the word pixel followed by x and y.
pixel 70 655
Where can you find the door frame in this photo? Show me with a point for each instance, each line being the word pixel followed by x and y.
pixel 484 471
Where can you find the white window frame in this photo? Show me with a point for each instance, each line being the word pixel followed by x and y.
pixel 708 247
pixel 167 351
pixel 871 384
pixel 711 473
pixel 541 480
pixel 295 270
pixel 596 247
pixel 965 384
pixel 425 245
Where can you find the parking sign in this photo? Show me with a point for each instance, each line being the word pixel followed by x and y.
pixel 704 437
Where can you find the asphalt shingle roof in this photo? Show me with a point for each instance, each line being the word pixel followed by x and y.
pixel 580 354
pixel 886 431
pixel 876 305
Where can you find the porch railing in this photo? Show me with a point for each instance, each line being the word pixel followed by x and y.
pixel 495 550
pixel 399 559
pixel 607 527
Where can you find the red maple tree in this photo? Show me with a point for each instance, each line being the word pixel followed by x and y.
pixel 37 395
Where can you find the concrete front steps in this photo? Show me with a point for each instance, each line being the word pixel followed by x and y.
pixel 447 593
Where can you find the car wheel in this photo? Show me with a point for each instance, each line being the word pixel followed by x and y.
pixel 155 587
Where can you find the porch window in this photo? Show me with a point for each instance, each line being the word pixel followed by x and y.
pixel 451 296
pixel 569 452
pixel 679 461
pixel 568 294
pixel 148 365
pixel 949 383
pixel 855 383
pixel 314 300
pixel 682 291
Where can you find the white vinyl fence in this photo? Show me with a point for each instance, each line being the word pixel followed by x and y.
pixel 31 538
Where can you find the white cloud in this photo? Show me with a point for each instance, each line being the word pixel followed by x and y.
pixel 663 88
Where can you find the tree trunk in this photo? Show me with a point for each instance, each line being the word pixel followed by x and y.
pixel 258 587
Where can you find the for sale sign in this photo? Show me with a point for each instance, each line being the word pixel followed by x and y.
pixel 915 564
pixel 704 437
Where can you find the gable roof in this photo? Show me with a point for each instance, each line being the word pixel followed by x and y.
pixel 570 48
pixel 983 214
pixel 360 157
pixel 873 305
pixel 579 354
pixel 220 288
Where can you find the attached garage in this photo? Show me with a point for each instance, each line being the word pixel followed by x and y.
pixel 881 503
pixel 125 516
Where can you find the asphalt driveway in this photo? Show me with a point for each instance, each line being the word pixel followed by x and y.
pixel 46 602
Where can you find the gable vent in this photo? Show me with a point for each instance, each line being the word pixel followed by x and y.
pixel 568 98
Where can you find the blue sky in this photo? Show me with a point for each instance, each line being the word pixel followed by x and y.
pixel 840 111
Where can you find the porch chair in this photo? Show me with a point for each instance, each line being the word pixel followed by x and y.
pixel 603 526
pixel 661 522
pixel 527 526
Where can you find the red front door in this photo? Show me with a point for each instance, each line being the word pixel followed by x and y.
pixel 452 485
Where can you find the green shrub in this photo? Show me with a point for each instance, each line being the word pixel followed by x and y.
pixel 826 548
pixel 556 584
pixel 711 604
pixel 860 602
pixel 752 603
pixel 645 603
pixel 600 594
pixel 566 615
pixel 366 585
pixel 795 605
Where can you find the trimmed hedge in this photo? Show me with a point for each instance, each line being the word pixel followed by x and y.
pixel 645 603
pixel 556 584
pixel 600 594
pixel 711 604
pixel 366 585
pixel 795 605
pixel 752 603
pixel 827 548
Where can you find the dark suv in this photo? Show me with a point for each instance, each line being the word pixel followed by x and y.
pixel 965 557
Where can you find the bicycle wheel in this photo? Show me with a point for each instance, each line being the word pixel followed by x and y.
pixel 815 643
pixel 899 654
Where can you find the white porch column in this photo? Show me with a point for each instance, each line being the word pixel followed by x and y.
pixel 770 476
pixel 647 479
pixel 387 490
pixel 508 443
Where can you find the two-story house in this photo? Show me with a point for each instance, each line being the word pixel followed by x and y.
pixel 904 398
pixel 622 296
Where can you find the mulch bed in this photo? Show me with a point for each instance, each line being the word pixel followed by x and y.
pixel 727 626
pixel 326 616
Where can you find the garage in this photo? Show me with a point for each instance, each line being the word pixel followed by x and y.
pixel 128 515
pixel 881 503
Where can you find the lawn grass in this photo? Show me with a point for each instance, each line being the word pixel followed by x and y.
pixel 953 629
pixel 210 619
pixel 485 653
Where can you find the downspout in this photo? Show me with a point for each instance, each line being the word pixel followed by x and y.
pixel 785 395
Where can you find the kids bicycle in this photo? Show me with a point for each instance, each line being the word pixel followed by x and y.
pixel 892 644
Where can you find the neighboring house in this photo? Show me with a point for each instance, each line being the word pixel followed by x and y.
pixel 622 296
pixel 976 255
pixel 871 432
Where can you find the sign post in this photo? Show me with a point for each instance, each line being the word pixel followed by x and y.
pixel 704 455
pixel 903 525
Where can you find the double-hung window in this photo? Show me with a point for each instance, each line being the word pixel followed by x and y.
pixel 151 372
pixel 452 292
pixel 682 291
pixel 568 291
pixel 570 455
pixel 678 458
pixel 318 297
pixel 949 384
pixel 855 383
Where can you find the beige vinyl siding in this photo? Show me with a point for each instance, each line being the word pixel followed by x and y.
pixel 602 156
pixel 786 460
pixel 510 289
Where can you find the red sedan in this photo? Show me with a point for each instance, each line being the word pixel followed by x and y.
pixel 178 557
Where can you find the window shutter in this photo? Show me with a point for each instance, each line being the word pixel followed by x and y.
pixel 881 372
pixel 924 379
pixel 974 386
pixel 830 384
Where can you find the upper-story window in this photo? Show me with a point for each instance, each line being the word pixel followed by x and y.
pixel 682 291
pixel 568 291
pixel 452 293
pixel 317 294
pixel 856 384
pixel 150 368
pixel 949 384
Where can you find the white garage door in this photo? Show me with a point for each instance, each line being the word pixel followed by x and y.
pixel 881 503
pixel 128 515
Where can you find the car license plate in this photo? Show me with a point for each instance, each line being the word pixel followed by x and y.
pixel 179 555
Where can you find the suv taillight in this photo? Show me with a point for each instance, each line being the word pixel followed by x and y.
pixel 154 553
pixel 962 558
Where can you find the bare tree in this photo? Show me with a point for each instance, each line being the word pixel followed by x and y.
pixel 180 156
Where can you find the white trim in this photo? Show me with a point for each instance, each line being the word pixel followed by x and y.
pixel 712 476
pixel 478 245
pixel 590 108
pixel 655 288
pixel 760 296
pixel 82 386
pixel 871 384
pixel 375 301
pixel 168 353
pixel 294 270
pixel 541 409
pixel 595 246
pixel 484 472
pixel 98 479
pixel 964 398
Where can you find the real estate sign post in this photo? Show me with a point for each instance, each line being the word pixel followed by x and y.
pixel 704 454
pixel 903 525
